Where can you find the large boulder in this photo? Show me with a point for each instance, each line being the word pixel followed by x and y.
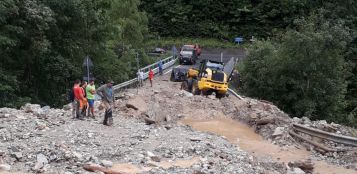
pixel 31 108
pixel 137 103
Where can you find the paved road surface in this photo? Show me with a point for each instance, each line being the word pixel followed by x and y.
pixel 215 55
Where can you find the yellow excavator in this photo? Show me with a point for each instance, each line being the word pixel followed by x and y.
pixel 211 77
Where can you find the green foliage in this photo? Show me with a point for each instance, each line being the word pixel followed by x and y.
pixel 43 44
pixel 303 72
pixel 168 42
pixel 223 19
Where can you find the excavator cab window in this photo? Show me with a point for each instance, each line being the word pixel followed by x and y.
pixel 202 68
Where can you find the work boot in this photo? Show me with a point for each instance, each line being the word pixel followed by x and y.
pixel 110 118
pixel 105 118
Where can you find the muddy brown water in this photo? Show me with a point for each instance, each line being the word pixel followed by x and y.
pixel 248 140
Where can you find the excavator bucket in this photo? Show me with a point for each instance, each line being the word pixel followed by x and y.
pixel 229 67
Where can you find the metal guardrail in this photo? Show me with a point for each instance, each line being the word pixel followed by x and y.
pixel 167 63
pixel 326 135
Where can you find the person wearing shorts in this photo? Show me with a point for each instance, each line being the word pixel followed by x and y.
pixel 90 91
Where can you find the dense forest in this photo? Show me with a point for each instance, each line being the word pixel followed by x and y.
pixel 43 44
pixel 304 60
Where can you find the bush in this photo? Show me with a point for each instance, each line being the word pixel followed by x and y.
pixel 303 72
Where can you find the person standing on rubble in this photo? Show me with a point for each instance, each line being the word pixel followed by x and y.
pixel 84 102
pixel 78 99
pixel 107 95
pixel 161 71
pixel 151 76
pixel 140 77
pixel 90 91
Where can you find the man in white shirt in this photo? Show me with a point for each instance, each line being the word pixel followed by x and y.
pixel 140 77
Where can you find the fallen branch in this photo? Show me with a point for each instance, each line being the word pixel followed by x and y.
pixel 96 168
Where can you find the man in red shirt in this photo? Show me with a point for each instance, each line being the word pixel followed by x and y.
pixel 151 76
pixel 78 98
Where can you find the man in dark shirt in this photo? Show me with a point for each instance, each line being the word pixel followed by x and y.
pixel 107 95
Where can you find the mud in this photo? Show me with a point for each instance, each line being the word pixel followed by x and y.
pixel 248 140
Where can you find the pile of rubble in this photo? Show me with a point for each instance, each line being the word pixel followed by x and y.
pixel 38 139
pixel 274 125
pixel 146 137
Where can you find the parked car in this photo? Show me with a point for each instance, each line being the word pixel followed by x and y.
pixel 190 47
pixel 159 50
pixel 189 54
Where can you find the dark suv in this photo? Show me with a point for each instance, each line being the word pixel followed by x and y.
pixel 188 55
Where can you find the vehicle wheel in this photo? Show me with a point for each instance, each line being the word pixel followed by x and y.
pixel 184 85
pixel 208 92
pixel 195 89
pixel 218 95
pixel 189 84
pixel 172 77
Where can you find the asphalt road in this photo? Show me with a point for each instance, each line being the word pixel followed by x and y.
pixel 215 55
pixel 227 54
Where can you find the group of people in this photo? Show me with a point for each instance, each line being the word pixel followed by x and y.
pixel 83 96
pixel 151 74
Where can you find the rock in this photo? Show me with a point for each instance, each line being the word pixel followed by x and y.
pixel 106 163
pixel 43 112
pixel 149 121
pixel 279 131
pixel 168 118
pixel 137 103
pixel 155 158
pixel 307 165
pixel 17 155
pixel 296 120
pixel 187 94
pixel 195 139
pixel 253 116
pixel 31 108
pixel 265 120
pixel 5 167
pixel 41 162
pixel 41 126
pixel 296 171
pixel 77 155
pixel 150 154
pixel 152 164
pixel 211 97
pixel 5 116
pixel 67 107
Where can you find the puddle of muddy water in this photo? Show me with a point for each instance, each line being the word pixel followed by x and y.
pixel 248 140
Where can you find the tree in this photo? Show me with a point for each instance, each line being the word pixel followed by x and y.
pixel 43 44
pixel 303 72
